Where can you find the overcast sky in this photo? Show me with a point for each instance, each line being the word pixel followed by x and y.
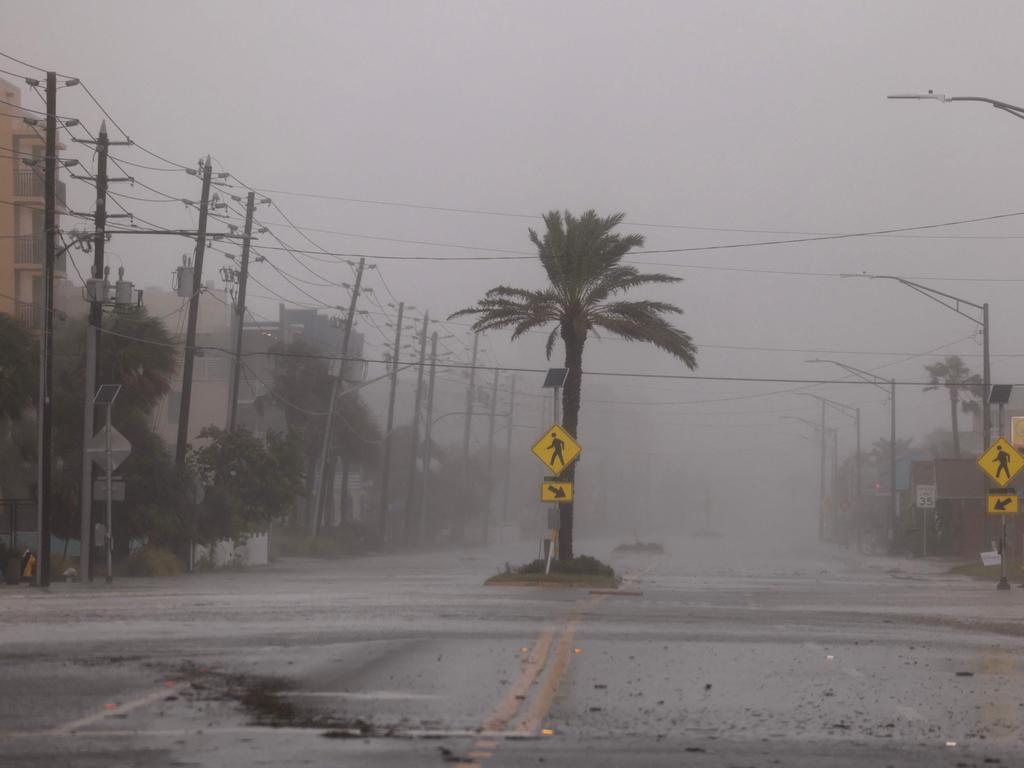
pixel 690 117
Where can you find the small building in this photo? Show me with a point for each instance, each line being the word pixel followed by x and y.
pixel 959 526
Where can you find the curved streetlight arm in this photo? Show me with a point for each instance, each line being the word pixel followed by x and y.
pixel 1012 109
pixel 843 409
pixel 947 300
pixel 871 378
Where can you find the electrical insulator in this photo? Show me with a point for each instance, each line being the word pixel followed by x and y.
pixel 123 290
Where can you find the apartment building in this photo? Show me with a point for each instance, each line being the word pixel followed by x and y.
pixel 22 240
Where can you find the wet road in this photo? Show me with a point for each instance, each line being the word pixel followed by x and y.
pixel 733 655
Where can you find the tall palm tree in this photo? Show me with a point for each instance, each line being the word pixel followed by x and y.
pixel 582 258
pixel 961 384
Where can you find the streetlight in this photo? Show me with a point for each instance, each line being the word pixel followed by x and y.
pixel 853 413
pixel 881 383
pixel 823 430
pixel 1004 106
pixel 953 303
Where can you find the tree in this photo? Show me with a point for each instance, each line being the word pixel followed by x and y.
pixel 18 381
pixel 582 257
pixel 964 389
pixel 247 484
pixel 302 388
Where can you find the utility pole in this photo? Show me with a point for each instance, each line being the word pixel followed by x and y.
pixel 508 450
pixel 894 506
pixel 821 479
pixel 469 419
pixel 410 499
pixel 386 469
pixel 243 276
pixel 44 491
pixel 193 316
pixel 428 423
pixel 92 351
pixel 486 509
pixel 329 428
pixel 96 291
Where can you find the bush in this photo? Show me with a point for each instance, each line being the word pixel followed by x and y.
pixel 581 565
pixel 344 540
pixel 151 561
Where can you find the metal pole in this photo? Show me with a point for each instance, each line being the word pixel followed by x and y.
pixel 110 515
pixel 193 316
pixel 466 430
pixel 44 492
pixel 821 479
pixel 410 499
pixel 1003 582
pixel 508 451
pixel 894 506
pixel 986 375
pixel 243 276
pixel 386 469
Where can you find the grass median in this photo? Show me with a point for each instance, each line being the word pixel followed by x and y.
pixel 581 571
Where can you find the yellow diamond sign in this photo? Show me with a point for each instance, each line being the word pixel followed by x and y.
pixel 1001 462
pixel 556 449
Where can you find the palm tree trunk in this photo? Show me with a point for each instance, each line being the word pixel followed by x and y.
pixel 570 420
pixel 953 398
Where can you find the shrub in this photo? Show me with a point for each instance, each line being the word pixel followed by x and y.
pixel 151 561
pixel 581 565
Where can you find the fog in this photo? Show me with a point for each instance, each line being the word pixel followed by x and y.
pixel 413 133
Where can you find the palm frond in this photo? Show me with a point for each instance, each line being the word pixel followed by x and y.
pixel 643 321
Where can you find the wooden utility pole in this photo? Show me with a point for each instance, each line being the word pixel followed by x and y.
pixel 486 508
pixel 508 451
pixel 321 479
pixel 386 469
pixel 243 277
pixel 410 499
pixel 193 316
pixel 428 424
pixel 44 492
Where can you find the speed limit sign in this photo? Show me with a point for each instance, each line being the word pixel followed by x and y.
pixel 926 497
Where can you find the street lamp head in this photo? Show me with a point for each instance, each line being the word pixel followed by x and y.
pixel 930 95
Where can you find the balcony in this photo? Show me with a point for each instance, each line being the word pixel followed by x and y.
pixel 29 313
pixel 30 184
pixel 29 249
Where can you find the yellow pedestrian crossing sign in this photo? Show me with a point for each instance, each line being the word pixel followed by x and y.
pixel 1005 502
pixel 1001 462
pixel 555 491
pixel 556 449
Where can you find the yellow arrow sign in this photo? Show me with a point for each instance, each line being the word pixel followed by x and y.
pixel 1001 462
pixel 1003 503
pixel 556 490
pixel 556 449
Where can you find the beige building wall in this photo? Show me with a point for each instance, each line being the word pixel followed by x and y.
pixel 21 211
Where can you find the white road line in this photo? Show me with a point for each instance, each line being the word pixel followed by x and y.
pixel 363 695
pixel 85 722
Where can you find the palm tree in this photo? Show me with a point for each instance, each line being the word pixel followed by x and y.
pixel 958 380
pixel 582 258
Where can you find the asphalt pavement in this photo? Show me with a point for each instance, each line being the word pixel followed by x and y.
pixel 722 652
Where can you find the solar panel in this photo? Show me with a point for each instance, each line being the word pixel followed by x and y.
pixel 106 394
pixel 555 378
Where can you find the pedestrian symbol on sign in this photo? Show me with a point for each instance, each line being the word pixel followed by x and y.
pixel 556 447
pixel 1003 460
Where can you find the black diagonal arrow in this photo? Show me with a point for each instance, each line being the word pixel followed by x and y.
pixel 556 491
pixel 1002 504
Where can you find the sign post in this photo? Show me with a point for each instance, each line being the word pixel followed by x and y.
pixel 1001 462
pixel 554 380
pixel 925 500
pixel 105 396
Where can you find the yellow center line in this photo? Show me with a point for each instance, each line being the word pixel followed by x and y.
pixel 541 704
pixel 510 703
pixel 103 714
